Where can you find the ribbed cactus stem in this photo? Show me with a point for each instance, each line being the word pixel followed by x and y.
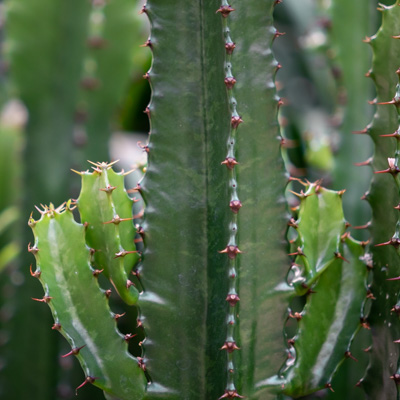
pixel 235 204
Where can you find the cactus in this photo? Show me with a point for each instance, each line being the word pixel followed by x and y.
pixel 382 376
pixel 212 287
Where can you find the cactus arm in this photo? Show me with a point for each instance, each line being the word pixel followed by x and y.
pixel 261 182
pixel 187 204
pixel 65 276
pixel 329 322
pixel 105 206
pixel 383 197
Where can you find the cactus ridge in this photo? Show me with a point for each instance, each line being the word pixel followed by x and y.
pixel 65 275
pixel 381 378
pixel 232 249
pixel 329 268
pixel 106 210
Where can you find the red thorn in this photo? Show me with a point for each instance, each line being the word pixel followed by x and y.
pixel 108 189
pixel 147 43
pixel 299 252
pixel 97 272
pixel 396 309
pixel 367 39
pixel 230 347
pixel 235 206
pixel 366 226
pixel 231 251
pixel 129 284
pixel 395 242
pixel 45 299
pixel 366 162
pixel 56 327
pixel 396 341
pixel 230 162
pixel 292 222
pixel 296 316
pixel 339 255
pixel 368 74
pixel 232 299
pixel 137 188
pixel 347 354
pixel 141 363
pixel 396 378
pixel 362 132
pixel 118 316
pixel 329 386
pixel 236 121
pixel 395 102
pixel 108 293
pixel 225 10
pixel 395 134
pixel 74 351
pixel 277 34
pixel 146 76
pixel 397 278
pixel 277 2
pixel 139 323
pixel 364 323
pixel 123 253
pixel 231 394
pixel 35 274
pixel 129 336
pixel 89 379
pixel 143 10
pixel 34 250
pixel 367 349
pixel 230 46
pixel 230 82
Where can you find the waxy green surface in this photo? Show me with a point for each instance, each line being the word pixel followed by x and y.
pixel 383 196
pixel 263 265
pixel 187 204
pixel 66 275
pixel 330 320
pixel 106 208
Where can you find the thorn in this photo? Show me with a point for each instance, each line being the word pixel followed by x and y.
pixel 296 316
pixel 116 220
pixel 367 349
pixel 366 226
pixel 34 250
pixel 347 354
pixel 74 351
pixel 97 272
pixel 364 323
pixel 235 206
pixel 147 111
pixel 299 252
pixel 225 10
pixel 147 43
pixel 230 347
pixel 291 341
pixel 280 103
pixel 368 73
pixel 372 102
pixel 362 132
pixel 359 383
pixel 370 295
pixel 396 309
pixel 139 324
pixel 143 10
pixel 123 253
pixel 365 196
pixel 397 207
pixel 89 379
pixel 396 378
pixel 231 251
pixel 108 293
pixel 35 274
pixel 146 76
pixel 288 143
pixel 139 230
pixel 230 46
pixel 56 327
pixel 397 278
pixel 367 39
pixel 118 316
pixel 230 162
pixel 129 284
pixel 277 34
pixel 108 189
pixel 230 82
pixel 45 299
pixel 395 242
pixel 329 386
pixel 395 134
pixel 231 394
pixel 79 173
pixel 137 188
pixel 236 121
pixel 366 162
pixel 341 192
pixel 396 341
pixel 129 336
pixel 141 363
pixel 277 2
pixel 339 255
pixel 232 299
pixel 144 147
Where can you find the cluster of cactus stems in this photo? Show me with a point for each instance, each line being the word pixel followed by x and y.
pixel 212 283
